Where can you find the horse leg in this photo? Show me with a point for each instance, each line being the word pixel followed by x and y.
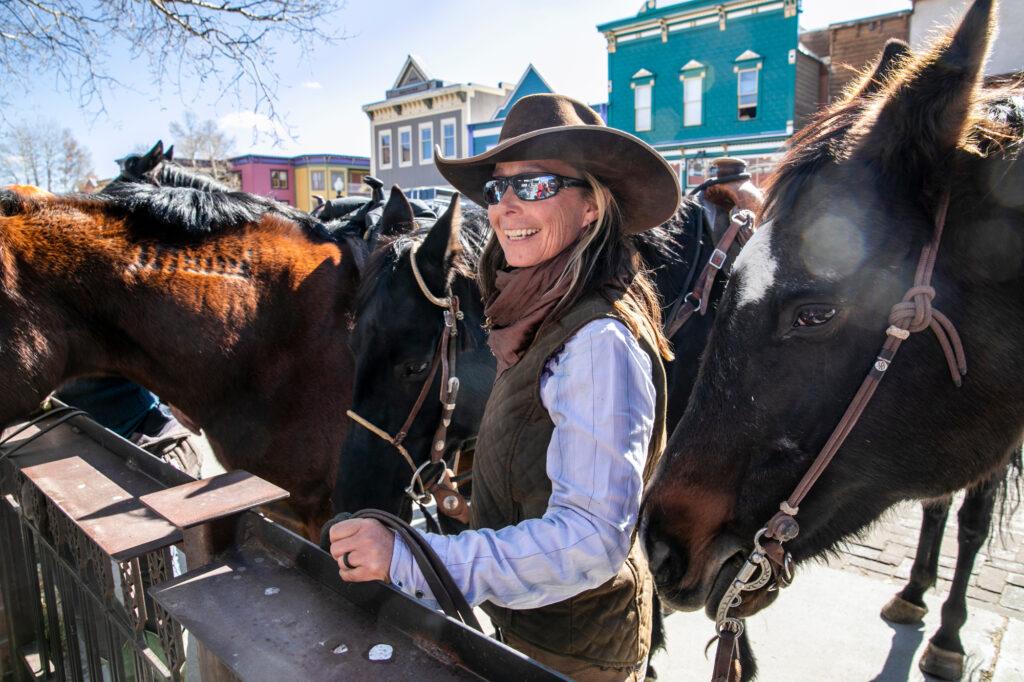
pixel 944 656
pixel 908 606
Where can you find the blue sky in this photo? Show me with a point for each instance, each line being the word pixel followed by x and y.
pixel 321 92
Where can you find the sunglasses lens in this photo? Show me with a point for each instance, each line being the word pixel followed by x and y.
pixel 536 188
pixel 492 191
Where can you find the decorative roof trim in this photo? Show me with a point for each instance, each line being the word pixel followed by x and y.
pixel 642 73
pixel 411 63
pixel 692 65
pixel 747 56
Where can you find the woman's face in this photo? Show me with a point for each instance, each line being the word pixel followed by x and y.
pixel 531 232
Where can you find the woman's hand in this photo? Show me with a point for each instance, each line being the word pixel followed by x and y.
pixel 362 548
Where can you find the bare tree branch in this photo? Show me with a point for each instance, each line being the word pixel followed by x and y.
pixel 41 154
pixel 226 43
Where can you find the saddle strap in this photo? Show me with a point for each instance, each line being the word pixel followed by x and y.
pixel 740 229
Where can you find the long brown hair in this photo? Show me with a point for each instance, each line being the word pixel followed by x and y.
pixel 603 261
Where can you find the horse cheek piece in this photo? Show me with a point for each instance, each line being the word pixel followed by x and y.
pixel 770 562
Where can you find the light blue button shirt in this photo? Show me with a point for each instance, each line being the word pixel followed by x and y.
pixel 600 396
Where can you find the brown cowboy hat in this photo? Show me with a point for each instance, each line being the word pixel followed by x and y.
pixel 557 127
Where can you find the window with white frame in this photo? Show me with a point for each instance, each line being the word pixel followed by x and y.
pixel 642 106
pixel 426 142
pixel 405 146
pixel 693 100
pixel 316 180
pixel 746 88
pixel 384 149
pixel 448 141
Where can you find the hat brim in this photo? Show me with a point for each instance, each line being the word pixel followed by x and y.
pixel 644 185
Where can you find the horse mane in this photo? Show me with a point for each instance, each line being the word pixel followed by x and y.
pixel 190 213
pixel 664 245
pixel 474 232
pixel 173 174
pixel 996 128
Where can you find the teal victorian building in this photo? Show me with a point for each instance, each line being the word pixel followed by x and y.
pixel 707 78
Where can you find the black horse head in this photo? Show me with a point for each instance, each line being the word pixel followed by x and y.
pixel 157 167
pixel 847 215
pixel 396 333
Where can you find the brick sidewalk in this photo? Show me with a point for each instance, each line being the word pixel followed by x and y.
pixel 997 581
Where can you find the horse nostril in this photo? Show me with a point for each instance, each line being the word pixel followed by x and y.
pixel 667 562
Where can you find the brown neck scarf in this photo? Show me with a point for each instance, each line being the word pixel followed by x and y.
pixel 524 300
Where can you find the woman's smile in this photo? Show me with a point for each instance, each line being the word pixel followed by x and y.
pixel 520 235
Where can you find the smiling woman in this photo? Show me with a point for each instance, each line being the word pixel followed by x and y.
pixel 575 420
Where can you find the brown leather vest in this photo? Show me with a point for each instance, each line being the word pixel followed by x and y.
pixel 609 625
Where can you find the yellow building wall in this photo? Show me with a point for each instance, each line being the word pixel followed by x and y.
pixel 302 188
pixel 303 184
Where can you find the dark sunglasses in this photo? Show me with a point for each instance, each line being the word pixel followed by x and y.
pixel 529 186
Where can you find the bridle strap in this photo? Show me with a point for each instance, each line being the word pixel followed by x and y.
pixel 912 314
pixel 443 489
pixel 768 561
pixel 741 228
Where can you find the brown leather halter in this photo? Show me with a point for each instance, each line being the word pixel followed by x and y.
pixel 443 490
pixel 770 562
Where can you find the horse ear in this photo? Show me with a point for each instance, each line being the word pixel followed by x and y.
pixel 157 151
pixel 397 217
pixel 924 115
pixel 893 56
pixel 442 242
pixel 169 154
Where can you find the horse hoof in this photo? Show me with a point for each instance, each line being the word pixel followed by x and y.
pixel 899 610
pixel 940 663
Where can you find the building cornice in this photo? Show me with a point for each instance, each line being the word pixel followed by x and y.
pixel 461 91
pixel 679 17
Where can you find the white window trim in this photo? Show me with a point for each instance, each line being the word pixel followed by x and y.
pixel 381 134
pixel 700 116
pixel 650 108
pixel 405 164
pixel 455 131
pixel 757 91
pixel 425 160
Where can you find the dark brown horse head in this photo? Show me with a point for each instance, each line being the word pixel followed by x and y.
pixel 805 314
pixel 230 306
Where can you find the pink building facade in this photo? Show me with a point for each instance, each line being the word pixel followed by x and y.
pixel 256 172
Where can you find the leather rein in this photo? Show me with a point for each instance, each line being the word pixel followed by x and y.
pixel 769 562
pixel 442 489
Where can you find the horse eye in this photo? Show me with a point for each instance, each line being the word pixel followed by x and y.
pixel 814 315
pixel 415 368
